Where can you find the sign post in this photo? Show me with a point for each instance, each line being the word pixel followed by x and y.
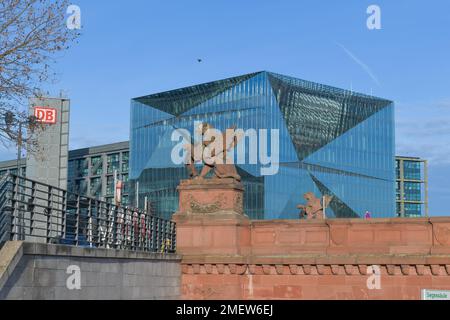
pixel 47 163
pixel 435 294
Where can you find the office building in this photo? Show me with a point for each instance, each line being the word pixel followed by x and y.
pixel 412 187
pixel 331 142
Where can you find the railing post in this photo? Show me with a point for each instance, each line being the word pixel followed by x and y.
pixel 114 226
pixel 147 232
pixel 135 229
pixel 89 223
pixel 99 223
pixel 21 211
pixel 32 211
pixel 158 234
pixel 14 209
pixel 63 215
pixel 154 231
pixel 77 222
pixel 32 206
pixel 173 228
pixel 49 213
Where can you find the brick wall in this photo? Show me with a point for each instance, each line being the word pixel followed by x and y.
pixel 313 259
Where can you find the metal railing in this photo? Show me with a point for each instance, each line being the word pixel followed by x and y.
pixel 34 211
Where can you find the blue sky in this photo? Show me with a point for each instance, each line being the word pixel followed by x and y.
pixel 137 47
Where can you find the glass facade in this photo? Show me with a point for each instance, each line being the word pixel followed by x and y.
pixel 331 142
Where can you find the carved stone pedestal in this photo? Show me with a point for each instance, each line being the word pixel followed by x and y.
pixel 211 196
pixel 210 220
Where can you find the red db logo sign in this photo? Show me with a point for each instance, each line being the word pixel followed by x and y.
pixel 45 115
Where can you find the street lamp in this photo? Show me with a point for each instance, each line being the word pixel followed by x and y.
pixel 10 121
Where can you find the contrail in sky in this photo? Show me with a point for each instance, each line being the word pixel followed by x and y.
pixel 361 64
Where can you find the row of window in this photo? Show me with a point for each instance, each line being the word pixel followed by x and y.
pixel 23 171
pixel 95 186
pixel 110 185
pixel 411 210
pixel 125 200
pixel 412 170
pixel 99 166
pixel 412 191
pixel 79 168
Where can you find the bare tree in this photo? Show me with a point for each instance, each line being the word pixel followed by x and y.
pixel 32 32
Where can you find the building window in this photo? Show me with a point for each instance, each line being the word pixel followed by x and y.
pixel 413 210
pixel 96 187
pixel 126 183
pixel 96 166
pixel 110 186
pixel 78 168
pixel 398 189
pixel 71 186
pixel 113 163
pixel 412 170
pixel 397 168
pixel 125 161
pixel 81 187
pixel 71 169
pixel 413 191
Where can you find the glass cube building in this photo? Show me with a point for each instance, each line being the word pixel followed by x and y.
pixel 331 142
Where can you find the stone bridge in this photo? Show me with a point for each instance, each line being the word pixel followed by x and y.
pixel 221 254
pixel 227 256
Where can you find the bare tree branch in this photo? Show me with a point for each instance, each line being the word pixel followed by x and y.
pixel 32 32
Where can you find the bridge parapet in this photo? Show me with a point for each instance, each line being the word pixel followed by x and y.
pixel 351 236
pixel 228 256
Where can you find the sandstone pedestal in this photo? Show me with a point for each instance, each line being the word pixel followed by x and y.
pixel 211 219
